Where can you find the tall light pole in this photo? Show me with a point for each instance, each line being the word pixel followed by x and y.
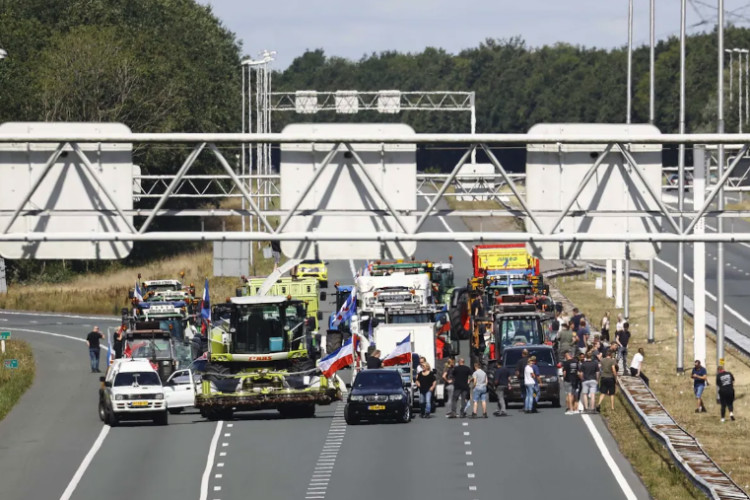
pixel 720 200
pixel 681 202
pixel 3 282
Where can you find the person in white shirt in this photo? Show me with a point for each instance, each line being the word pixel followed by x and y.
pixel 529 380
pixel 620 325
pixel 636 365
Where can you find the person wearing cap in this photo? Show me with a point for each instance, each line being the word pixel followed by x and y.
pixel 520 367
pixel 725 383
pixel 700 380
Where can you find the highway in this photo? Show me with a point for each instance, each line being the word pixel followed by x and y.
pixel 47 437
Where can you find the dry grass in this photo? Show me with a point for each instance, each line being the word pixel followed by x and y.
pixel 14 382
pixel 107 293
pixel 723 442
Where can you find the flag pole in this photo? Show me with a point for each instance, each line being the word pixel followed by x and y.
pixel 411 365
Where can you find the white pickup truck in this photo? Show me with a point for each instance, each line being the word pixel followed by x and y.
pixel 132 390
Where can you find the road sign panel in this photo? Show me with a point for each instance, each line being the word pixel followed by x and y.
pixel 11 363
pixel 4 335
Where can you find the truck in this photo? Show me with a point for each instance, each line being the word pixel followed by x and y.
pixel 304 289
pixel 167 290
pixel 261 356
pixel 440 273
pixel 146 340
pixel 131 390
pixel 376 293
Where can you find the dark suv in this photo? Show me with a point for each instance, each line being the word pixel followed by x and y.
pixel 378 395
pixel 548 370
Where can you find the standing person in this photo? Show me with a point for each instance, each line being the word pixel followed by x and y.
pixel 620 325
pixel 623 337
pixel 448 379
pixel 520 367
pixel 276 253
pixel 637 364
pixel 608 380
pixel 374 361
pixel 604 328
pixel 570 382
pixel 725 383
pixel 583 333
pixel 461 376
pixel 575 320
pixel 529 380
pixel 92 340
pixel 502 383
pixel 564 340
pixel 479 379
pixel 700 380
pixel 118 343
pixel 426 383
pixel 537 388
pixel 589 375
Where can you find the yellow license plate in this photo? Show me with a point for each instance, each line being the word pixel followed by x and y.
pixel 376 407
pixel 139 403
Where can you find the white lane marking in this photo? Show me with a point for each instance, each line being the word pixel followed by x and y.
pixel 467 443
pixel 465 424
pixel 220 464
pixel 450 230
pixel 227 434
pixel 217 488
pixel 472 488
pixel 321 476
pixel 218 476
pixel 230 425
pixel 468 452
pixel 60 315
pixel 469 464
pixel 711 296
pixel 608 459
pixel 471 476
pixel 467 433
pixel 746 245
pixel 210 461
pixel 223 454
pixel 85 464
pixel 351 266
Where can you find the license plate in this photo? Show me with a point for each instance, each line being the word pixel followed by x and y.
pixel 376 407
pixel 139 404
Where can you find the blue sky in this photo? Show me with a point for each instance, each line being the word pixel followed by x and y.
pixel 353 28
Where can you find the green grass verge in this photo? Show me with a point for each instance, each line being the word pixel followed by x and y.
pixel 14 382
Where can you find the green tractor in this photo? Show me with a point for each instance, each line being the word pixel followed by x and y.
pixel 261 355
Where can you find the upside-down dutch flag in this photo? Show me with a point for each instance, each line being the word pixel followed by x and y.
pixel 348 308
pixel 137 292
pixel 401 355
pixel 206 303
pixel 338 359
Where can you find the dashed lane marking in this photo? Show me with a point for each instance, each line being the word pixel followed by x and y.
pixel 210 462
pixel 321 476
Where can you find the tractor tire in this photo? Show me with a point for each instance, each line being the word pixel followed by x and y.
pixel 215 372
pixel 455 313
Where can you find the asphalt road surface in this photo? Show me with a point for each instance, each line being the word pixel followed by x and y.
pixel 54 446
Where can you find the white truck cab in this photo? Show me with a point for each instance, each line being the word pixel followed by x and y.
pixel 132 390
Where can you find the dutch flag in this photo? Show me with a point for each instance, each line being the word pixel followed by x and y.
pixel 338 359
pixel 401 355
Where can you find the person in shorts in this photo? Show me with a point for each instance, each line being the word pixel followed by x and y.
pixel 700 380
pixel 479 379
pixel 570 382
pixel 608 380
pixel 589 375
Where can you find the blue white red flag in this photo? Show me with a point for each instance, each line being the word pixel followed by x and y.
pixel 348 308
pixel 401 355
pixel 206 303
pixel 137 292
pixel 338 359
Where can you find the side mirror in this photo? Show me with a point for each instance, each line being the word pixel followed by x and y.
pixel 323 296
pixel 101 379
pixel 311 322
pixel 320 315
pixel 107 384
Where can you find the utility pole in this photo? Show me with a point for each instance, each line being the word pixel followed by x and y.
pixel 681 203
pixel 720 199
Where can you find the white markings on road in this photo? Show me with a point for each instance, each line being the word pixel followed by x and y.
pixel 450 230
pixel 608 459
pixel 321 476
pixel 85 464
pixel 60 315
pixel 210 461
pixel 469 475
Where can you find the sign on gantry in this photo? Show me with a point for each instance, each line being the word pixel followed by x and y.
pixel 556 172
pixel 367 177
pixel 99 178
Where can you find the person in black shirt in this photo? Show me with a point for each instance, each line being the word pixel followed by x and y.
pixel 461 376
pixel 374 360
pixel 570 381
pixel 117 344
pixel 575 320
pixel 426 382
pixel 725 383
pixel 92 340
pixel 502 383
pixel 623 338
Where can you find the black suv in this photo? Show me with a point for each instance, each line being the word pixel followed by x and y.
pixel 548 370
pixel 377 395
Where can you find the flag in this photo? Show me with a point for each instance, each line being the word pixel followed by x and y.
pixel 370 339
pixel 510 286
pixel 367 269
pixel 137 292
pixel 128 351
pixel 338 359
pixel 206 303
pixel 401 355
pixel 348 308
pixel 110 352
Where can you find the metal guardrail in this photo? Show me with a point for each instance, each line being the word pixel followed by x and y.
pixel 685 450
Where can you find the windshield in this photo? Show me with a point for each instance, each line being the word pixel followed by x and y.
pixel 175 326
pixel 543 356
pixel 184 355
pixel 520 330
pixel 156 348
pixel 259 328
pixel 410 318
pixel 136 378
pixel 163 288
pixel 341 297
pixel 378 380
pixel 444 278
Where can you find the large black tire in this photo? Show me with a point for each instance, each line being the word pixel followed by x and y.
pixel 406 416
pixel 162 418
pixel 214 372
pixel 455 313
pixel 350 419
pixel 112 419
pixel 102 411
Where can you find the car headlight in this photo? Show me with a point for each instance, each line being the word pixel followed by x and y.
pixel 158 396
pixel 395 397
pixel 355 398
pixel 119 397
pixel 553 378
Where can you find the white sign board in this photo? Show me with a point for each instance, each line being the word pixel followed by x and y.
pixel 555 172
pixel 343 186
pixel 67 186
pixel 231 258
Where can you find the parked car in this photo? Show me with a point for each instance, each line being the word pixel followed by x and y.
pixel 378 395
pixel 132 390
pixel 548 370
